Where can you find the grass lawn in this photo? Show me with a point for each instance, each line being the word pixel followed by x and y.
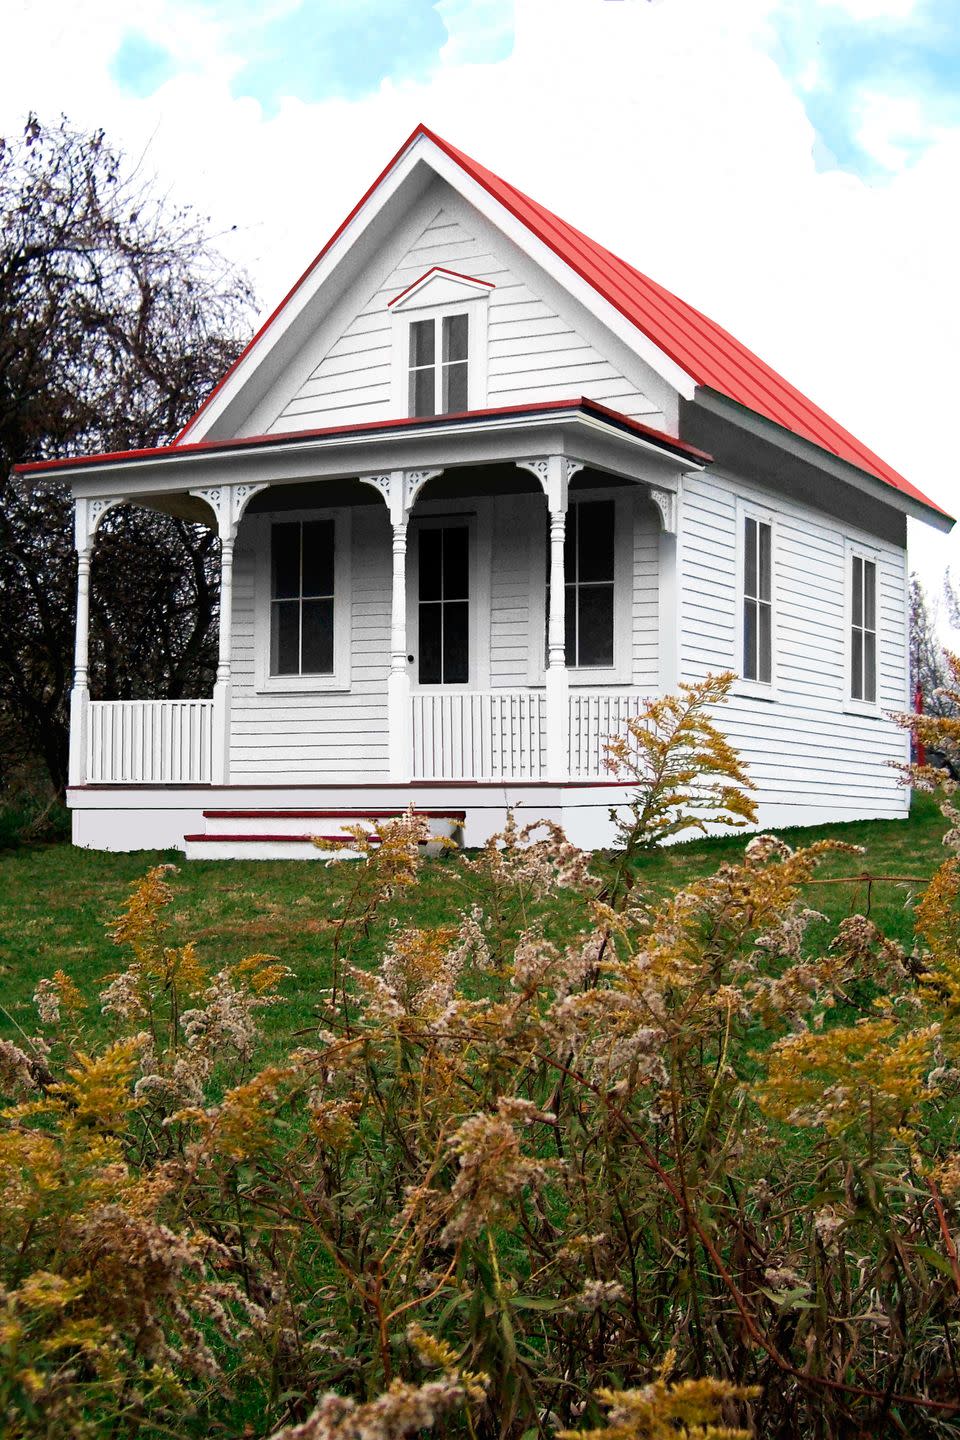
pixel 55 904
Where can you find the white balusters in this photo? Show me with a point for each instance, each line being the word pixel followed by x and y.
pixel 150 742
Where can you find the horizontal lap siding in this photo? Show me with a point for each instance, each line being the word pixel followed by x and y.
pixel 518 525
pixel 802 748
pixel 306 739
pixel 646 598
pixel 533 354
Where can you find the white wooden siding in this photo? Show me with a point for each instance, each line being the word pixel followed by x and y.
pixel 295 738
pixel 805 752
pixel 292 738
pixel 534 354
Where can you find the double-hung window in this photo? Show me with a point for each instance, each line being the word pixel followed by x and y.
pixel 757 601
pixel 302 567
pixel 438 365
pixel 863 629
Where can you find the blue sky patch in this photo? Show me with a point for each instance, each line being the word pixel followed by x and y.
pixel 140 66
pixel 839 66
pixel 315 50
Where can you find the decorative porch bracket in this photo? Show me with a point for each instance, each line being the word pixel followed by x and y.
pixel 399 490
pixel 87 515
pixel 228 502
pixel 554 473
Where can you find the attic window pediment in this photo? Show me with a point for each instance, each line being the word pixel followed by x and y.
pixel 437 286
pixel 440 344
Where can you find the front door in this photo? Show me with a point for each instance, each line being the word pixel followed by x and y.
pixel 443 603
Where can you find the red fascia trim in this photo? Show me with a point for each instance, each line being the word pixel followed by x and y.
pixel 441 270
pixel 292 437
pixel 420 129
pixel 346 815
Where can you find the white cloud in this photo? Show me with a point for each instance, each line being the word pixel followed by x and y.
pixel 666 131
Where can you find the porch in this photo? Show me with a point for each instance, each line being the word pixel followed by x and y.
pixel 491 735
pixel 375 670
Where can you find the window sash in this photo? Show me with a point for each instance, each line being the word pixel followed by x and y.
pixel 438 365
pixel 863 630
pixel 757 600
pixel 302 597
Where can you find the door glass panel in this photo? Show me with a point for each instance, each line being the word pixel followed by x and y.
pixel 431 565
pixel 430 643
pixel 455 563
pixel 456 642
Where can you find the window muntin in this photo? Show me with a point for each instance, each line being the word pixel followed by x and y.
pixel 438 365
pixel 589 584
pixel 443 605
pixel 757 601
pixel 302 597
pixel 863 630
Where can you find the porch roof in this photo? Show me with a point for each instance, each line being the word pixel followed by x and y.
pixel 580 428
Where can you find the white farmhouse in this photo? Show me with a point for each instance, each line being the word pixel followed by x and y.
pixel 482 487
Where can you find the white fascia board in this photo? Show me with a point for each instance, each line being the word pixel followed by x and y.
pixel 285 460
pixel 796 445
pixel 291 309
pixel 591 299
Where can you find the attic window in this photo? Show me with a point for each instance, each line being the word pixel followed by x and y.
pixel 438 365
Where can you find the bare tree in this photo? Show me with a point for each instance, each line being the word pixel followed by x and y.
pixel 928 666
pixel 117 315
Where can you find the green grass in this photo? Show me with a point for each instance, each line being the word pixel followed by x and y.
pixel 57 902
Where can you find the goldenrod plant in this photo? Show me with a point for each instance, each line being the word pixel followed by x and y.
pixel 678 1168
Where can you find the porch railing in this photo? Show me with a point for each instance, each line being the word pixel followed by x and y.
pixel 479 735
pixel 596 717
pixel 149 742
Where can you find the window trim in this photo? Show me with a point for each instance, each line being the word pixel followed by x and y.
pixel 621 671
pixel 853 549
pixel 266 683
pixel 475 308
pixel 756 689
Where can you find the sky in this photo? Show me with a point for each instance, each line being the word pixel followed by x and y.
pixel 791 167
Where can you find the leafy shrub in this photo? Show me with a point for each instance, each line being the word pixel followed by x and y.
pixel 680 1173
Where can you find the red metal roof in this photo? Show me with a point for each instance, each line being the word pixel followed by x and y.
pixel 710 355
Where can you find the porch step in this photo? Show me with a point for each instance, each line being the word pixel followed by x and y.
pixel 290 834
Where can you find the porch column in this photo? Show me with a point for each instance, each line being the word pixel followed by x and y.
pixel 80 694
pixel 220 756
pixel 87 515
pixel 399 488
pixel 228 503
pixel 399 719
pixel 555 473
